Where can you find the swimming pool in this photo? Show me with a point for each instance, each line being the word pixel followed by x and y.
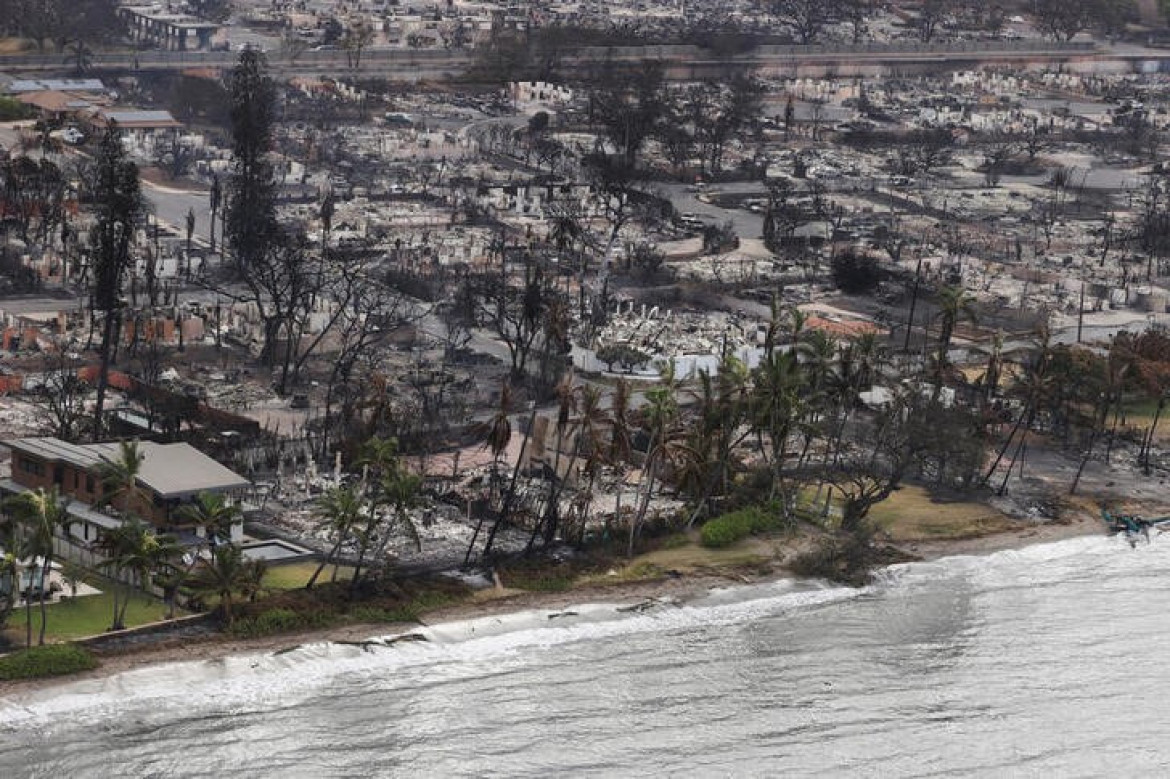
pixel 272 549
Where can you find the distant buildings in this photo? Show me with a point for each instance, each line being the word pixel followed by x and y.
pixel 157 25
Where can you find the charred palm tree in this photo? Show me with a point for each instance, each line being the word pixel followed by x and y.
pixel 566 395
pixel 496 433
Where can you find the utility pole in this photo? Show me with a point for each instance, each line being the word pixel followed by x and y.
pixel 1081 312
pixel 913 304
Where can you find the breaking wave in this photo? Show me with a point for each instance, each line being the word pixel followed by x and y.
pixel 284 677
pixel 252 679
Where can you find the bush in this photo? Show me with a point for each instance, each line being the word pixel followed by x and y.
pixel 848 560
pixel 12 110
pixel 727 529
pixel 299 611
pixel 626 355
pixel 49 660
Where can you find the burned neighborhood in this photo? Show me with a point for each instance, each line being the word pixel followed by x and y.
pixel 327 314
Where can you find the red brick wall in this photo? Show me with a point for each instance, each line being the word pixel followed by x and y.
pixel 24 471
pixel 74 484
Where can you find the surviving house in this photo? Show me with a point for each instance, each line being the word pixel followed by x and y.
pixel 142 130
pixel 171 476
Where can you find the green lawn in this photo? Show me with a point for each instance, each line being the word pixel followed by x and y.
pixel 911 514
pixel 1141 416
pixel 296 575
pixel 88 615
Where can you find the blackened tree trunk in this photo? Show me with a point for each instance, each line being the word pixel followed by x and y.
pixel 118 209
pixel 103 377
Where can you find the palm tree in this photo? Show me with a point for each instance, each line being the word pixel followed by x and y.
pixel 565 232
pixel 566 395
pixel 133 554
pixel 854 366
pixel 776 407
pixel 119 479
pixel 1033 385
pixel 731 401
pixel 619 419
pixel 717 430
pixel 1148 437
pixel 18 547
pixel 954 303
pixel 662 416
pixel 397 491
pixel 174 571
pixel 394 491
pixel 590 424
pixel 43 514
pixel 496 433
pixel 620 443
pixel 797 319
pixel 213 514
pixel 817 354
pixel 226 574
pixel 10 571
pixel 818 350
pixel 1119 365
pixel 506 505
pixel 341 509
pixel 869 353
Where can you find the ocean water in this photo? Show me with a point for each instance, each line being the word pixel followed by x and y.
pixel 1047 661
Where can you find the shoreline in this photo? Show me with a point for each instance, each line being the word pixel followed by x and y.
pixel 486 603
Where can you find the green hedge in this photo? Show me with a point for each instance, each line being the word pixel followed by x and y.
pixel 12 110
pixel 49 660
pixel 287 620
pixel 727 529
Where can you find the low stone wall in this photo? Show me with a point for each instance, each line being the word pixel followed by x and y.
pixel 154 633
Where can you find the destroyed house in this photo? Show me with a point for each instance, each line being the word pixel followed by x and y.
pixel 171 476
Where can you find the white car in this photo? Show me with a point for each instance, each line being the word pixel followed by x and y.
pixel 72 135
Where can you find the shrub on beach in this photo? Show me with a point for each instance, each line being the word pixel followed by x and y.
pixel 847 559
pixel 49 660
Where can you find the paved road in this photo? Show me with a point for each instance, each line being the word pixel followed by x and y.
pixel 171 206
pixel 747 224
pixel 421 64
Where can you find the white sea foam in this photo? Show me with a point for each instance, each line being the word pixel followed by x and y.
pixel 252 679
pixel 959 666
